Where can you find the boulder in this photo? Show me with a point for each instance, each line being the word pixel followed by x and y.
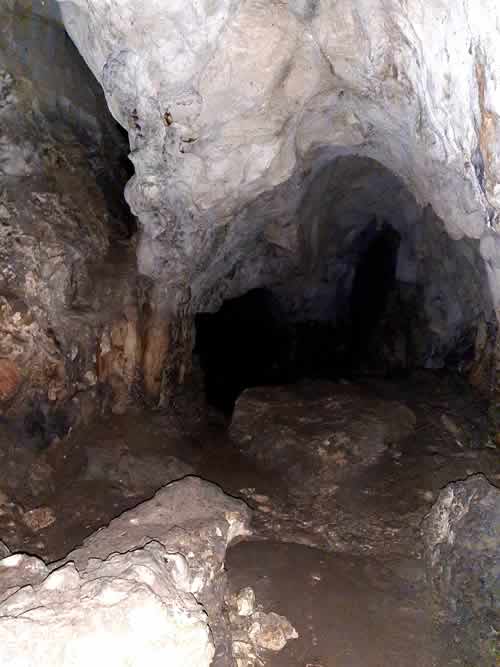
pixel 147 589
pixel 317 431
pixel 462 543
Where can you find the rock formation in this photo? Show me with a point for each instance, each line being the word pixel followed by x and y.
pixel 267 137
pixel 62 218
pixel 80 330
pixel 331 165
pixel 148 588
pixel 462 537
pixel 317 432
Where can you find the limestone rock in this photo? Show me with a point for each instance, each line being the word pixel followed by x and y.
pixel 271 631
pixel 276 426
pixel 124 610
pixel 18 571
pixel 146 589
pixel 462 539
pixel 4 550
pixel 265 135
pixel 39 518
pixel 61 210
pixel 255 632
pixel 245 602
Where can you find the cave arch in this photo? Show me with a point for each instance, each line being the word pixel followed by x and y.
pixel 371 282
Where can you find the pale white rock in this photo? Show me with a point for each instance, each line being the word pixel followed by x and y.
pixel 245 601
pixel 234 108
pixel 110 615
pixel 147 589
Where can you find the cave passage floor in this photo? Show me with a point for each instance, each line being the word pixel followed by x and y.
pixel 349 574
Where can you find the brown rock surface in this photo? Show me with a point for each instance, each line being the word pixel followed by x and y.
pixel 10 379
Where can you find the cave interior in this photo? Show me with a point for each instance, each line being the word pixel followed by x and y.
pixel 379 289
pixel 203 403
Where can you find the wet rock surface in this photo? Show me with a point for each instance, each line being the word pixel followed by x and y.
pixel 348 610
pixel 134 474
pixel 462 538
pixel 342 561
pixel 270 156
pixel 319 431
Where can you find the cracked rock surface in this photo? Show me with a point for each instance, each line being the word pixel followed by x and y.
pixel 66 274
pixel 148 587
pixel 462 538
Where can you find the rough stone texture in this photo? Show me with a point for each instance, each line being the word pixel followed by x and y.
pixel 79 329
pixel 275 426
pixel 462 538
pixel 4 550
pixel 194 84
pixel 121 611
pixel 134 474
pixel 148 588
pixel 62 218
pixel 267 136
pixel 255 632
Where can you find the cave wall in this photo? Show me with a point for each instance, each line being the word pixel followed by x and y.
pixel 69 305
pixel 215 121
pixel 233 109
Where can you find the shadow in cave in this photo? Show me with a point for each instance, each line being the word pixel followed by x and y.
pixel 374 280
pixel 242 345
pixel 251 340
pixel 380 289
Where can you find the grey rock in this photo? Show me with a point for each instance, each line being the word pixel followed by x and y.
pixel 346 430
pixel 462 541
pixel 148 588
pixel 263 150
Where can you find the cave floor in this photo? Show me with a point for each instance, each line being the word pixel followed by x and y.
pixel 345 566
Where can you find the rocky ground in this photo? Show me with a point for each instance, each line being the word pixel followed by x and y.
pixel 339 478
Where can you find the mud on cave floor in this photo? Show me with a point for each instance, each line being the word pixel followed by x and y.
pixel 343 563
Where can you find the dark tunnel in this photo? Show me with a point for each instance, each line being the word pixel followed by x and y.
pixel 252 341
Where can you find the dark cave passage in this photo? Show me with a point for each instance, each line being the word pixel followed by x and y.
pixel 374 280
pixel 242 345
pixel 375 287
pixel 252 340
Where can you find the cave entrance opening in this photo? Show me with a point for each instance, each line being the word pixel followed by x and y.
pixel 243 344
pixel 252 340
pixel 374 282
pixel 376 286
